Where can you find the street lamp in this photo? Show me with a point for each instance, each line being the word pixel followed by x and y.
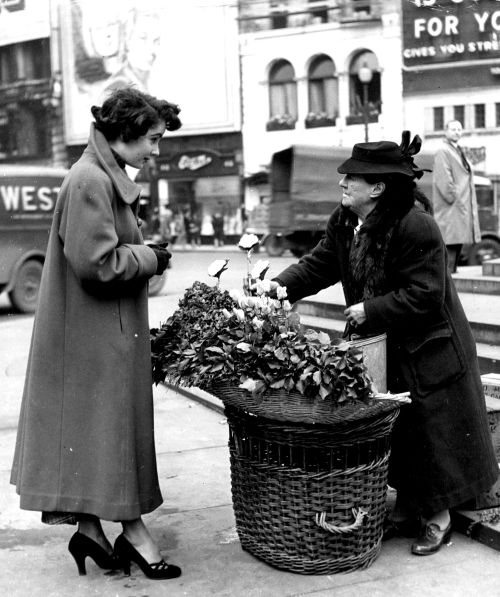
pixel 365 75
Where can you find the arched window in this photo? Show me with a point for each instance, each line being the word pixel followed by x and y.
pixel 364 88
pixel 323 93
pixel 282 96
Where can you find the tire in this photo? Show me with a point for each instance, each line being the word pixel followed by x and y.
pixel 24 294
pixel 274 246
pixel 485 250
pixel 156 283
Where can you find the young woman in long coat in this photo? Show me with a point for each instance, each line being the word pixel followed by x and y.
pixel 85 446
pixel 388 253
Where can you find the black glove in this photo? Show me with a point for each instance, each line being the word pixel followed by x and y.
pixel 163 257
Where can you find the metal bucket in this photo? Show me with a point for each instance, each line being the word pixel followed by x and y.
pixel 375 358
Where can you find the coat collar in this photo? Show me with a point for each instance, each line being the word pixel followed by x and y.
pixel 127 190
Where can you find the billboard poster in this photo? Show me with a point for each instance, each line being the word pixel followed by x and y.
pixel 444 32
pixel 185 52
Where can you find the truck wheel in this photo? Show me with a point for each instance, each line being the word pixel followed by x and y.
pixel 485 250
pixel 24 294
pixel 156 283
pixel 274 246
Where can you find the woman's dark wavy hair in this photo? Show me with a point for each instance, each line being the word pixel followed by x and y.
pixel 400 194
pixel 129 114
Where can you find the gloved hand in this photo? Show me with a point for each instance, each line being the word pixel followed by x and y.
pixel 163 257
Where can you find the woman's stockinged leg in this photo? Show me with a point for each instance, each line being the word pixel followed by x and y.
pixel 91 527
pixel 136 532
pixel 135 544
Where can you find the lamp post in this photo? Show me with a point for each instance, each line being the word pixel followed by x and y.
pixel 365 75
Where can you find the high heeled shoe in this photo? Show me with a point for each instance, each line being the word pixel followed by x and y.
pixel 408 527
pixel 128 553
pixel 80 546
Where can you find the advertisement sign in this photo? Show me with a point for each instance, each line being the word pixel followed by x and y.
pixel 184 52
pixel 443 32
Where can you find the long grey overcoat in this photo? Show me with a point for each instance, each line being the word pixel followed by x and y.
pixel 85 440
pixel 442 453
pixel 454 197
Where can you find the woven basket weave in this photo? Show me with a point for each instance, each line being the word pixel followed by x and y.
pixel 308 498
pixel 281 405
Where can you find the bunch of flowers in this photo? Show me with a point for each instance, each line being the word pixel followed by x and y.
pixel 254 342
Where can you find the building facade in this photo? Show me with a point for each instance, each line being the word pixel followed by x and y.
pixel 318 73
pixel 31 127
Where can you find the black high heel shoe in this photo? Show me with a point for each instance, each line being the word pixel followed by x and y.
pixel 128 553
pixel 80 546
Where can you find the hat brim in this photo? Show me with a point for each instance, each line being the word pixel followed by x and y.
pixel 354 166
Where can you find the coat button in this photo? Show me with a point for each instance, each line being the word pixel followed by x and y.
pixel 139 222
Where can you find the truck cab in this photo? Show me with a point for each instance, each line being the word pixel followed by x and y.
pixel 27 199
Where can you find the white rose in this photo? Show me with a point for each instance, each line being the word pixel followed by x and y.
pixel 249 384
pixel 263 286
pixel 259 269
pixel 248 241
pixel 287 306
pixel 216 268
pixel 240 314
pixel 244 347
pixel 257 323
pixel 281 292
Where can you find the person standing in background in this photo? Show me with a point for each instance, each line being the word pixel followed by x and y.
pixel 454 195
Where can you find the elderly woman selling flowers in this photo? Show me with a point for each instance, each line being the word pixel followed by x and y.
pixel 385 248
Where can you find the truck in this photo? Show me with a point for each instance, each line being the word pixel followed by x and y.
pixel 304 190
pixel 27 199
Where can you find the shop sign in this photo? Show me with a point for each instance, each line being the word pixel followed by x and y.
pixel 442 32
pixel 198 163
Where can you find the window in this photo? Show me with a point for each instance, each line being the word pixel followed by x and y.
pixel 25 61
pixel 25 132
pixel 497 114
pixel 323 93
pixel 364 96
pixel 282 96
pixel 319 11
pixel 479 116
pixel 459 114
pixel 438 118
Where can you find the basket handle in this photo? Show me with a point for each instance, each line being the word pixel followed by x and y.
pixel 358 514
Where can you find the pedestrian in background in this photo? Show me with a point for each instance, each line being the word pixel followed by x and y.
pixel 384 246
pixel 218 226
pixel 85 448
pixel 454 195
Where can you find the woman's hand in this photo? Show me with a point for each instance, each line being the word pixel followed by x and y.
pixel 356 314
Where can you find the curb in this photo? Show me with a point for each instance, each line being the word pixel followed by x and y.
pixel 200 396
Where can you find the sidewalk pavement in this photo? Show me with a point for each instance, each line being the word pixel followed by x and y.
pixel 196 529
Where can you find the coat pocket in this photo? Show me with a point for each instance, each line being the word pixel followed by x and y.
pixel 434 358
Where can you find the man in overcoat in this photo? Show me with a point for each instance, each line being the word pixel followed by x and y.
pixel 454 195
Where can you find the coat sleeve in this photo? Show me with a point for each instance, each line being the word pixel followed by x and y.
pixel 418 278
pixel 315 271
pixel 443 179
pixel 91 245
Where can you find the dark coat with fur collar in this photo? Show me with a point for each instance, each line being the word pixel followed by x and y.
pixel 442 453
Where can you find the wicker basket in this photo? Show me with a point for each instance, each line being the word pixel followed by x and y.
pixel 310 498
pixel 281 405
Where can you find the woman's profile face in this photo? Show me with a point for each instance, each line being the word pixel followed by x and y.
pixel 357 194
pixel 139 151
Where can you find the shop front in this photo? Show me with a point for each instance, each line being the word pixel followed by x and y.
pixel 194 188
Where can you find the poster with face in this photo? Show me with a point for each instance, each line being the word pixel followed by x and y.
pixel 179 51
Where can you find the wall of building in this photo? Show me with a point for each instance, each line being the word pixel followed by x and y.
pixel 341 41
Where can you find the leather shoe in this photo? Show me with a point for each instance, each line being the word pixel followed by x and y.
pixel 431 539
pixel 409 527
